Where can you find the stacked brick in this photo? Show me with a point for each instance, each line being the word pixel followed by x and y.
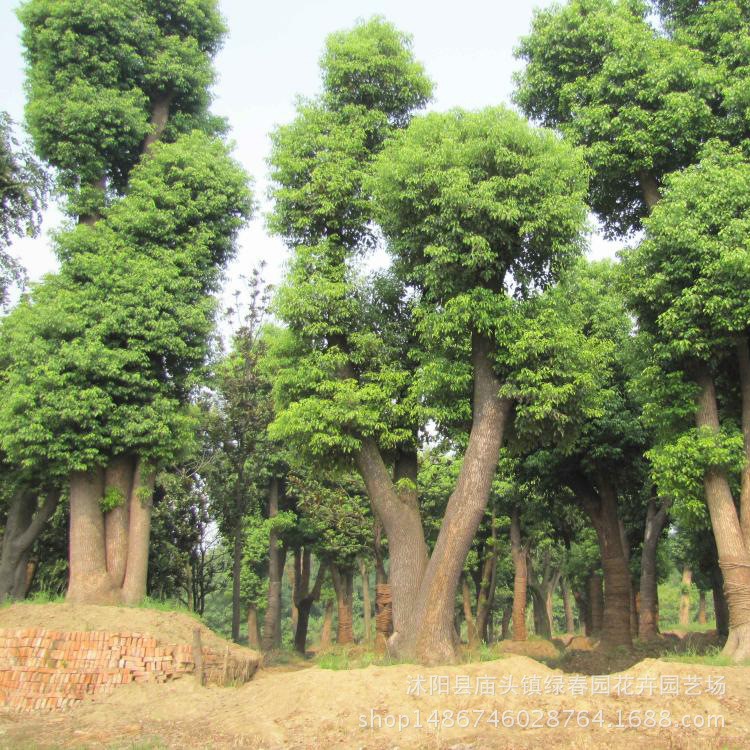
pixel 48 669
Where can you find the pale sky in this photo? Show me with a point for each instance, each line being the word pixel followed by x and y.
pixel 271 56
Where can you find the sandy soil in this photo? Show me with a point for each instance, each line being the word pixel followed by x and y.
pixel 320 709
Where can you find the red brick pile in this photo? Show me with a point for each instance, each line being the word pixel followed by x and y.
pixel 50 669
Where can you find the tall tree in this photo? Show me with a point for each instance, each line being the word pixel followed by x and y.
pixel 527 222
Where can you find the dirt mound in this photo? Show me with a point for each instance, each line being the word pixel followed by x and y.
pixel 166 627
pixel 535 649
pixel 314 709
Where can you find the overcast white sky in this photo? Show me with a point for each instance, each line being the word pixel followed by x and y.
pixel 271 55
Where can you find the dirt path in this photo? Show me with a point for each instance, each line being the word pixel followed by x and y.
pixel 362 708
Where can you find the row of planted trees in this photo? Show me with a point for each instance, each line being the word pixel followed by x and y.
pixel 490 412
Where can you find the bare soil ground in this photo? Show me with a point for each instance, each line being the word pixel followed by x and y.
pixel 316 709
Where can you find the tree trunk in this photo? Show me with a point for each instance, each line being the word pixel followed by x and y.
pixel 366 603
pixel 343 584
pixel 570 623
pixel 687 580
pixel 423 605
pixel 118 485
pixel 398 511
pixel 159 119
pixel 720 603
pixel 303 597
pixel 649 190
pixel 505 622
pixel 253 633
pixel 734 559
pixel 89 582
pixel 596 604
pixel 276 555
pixel 520 578
pixel 291 572
pixel 325 633
pixel 139 535
pixel 701 607
pixel 648 613
pixel 487 585
pixel 237 554
pixel 601 507
pixel 23 526
pixel 471 626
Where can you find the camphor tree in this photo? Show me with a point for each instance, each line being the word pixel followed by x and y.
pixel 662 127
pixel 691 275
pixel 474 205
pixel 99 359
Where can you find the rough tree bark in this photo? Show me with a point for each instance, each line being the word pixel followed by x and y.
pixel 520 578
pixel 424 590
pixel 648 612
pixel 734 557
pixel 91 581
pixel 276 555
pixel 343 585
pixel 23 525
pixel 600 504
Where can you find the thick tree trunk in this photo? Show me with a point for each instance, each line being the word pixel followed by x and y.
pixel 325 633
pixel 89 582
pixel 701 617
pixel 520 578
pixel 23 526
pixel 596 604
pixel 471 626
pixel 276 555
pixel 343 584
pixel 542 589
pixel 139 535
pixel 118 485
pixel 570 623
pixel 734 558
pixel 687 580
pixel 398 511
pixel 601 507
pixel 434 641
pixel 366 602
pixel 253 632
pixel 648 612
